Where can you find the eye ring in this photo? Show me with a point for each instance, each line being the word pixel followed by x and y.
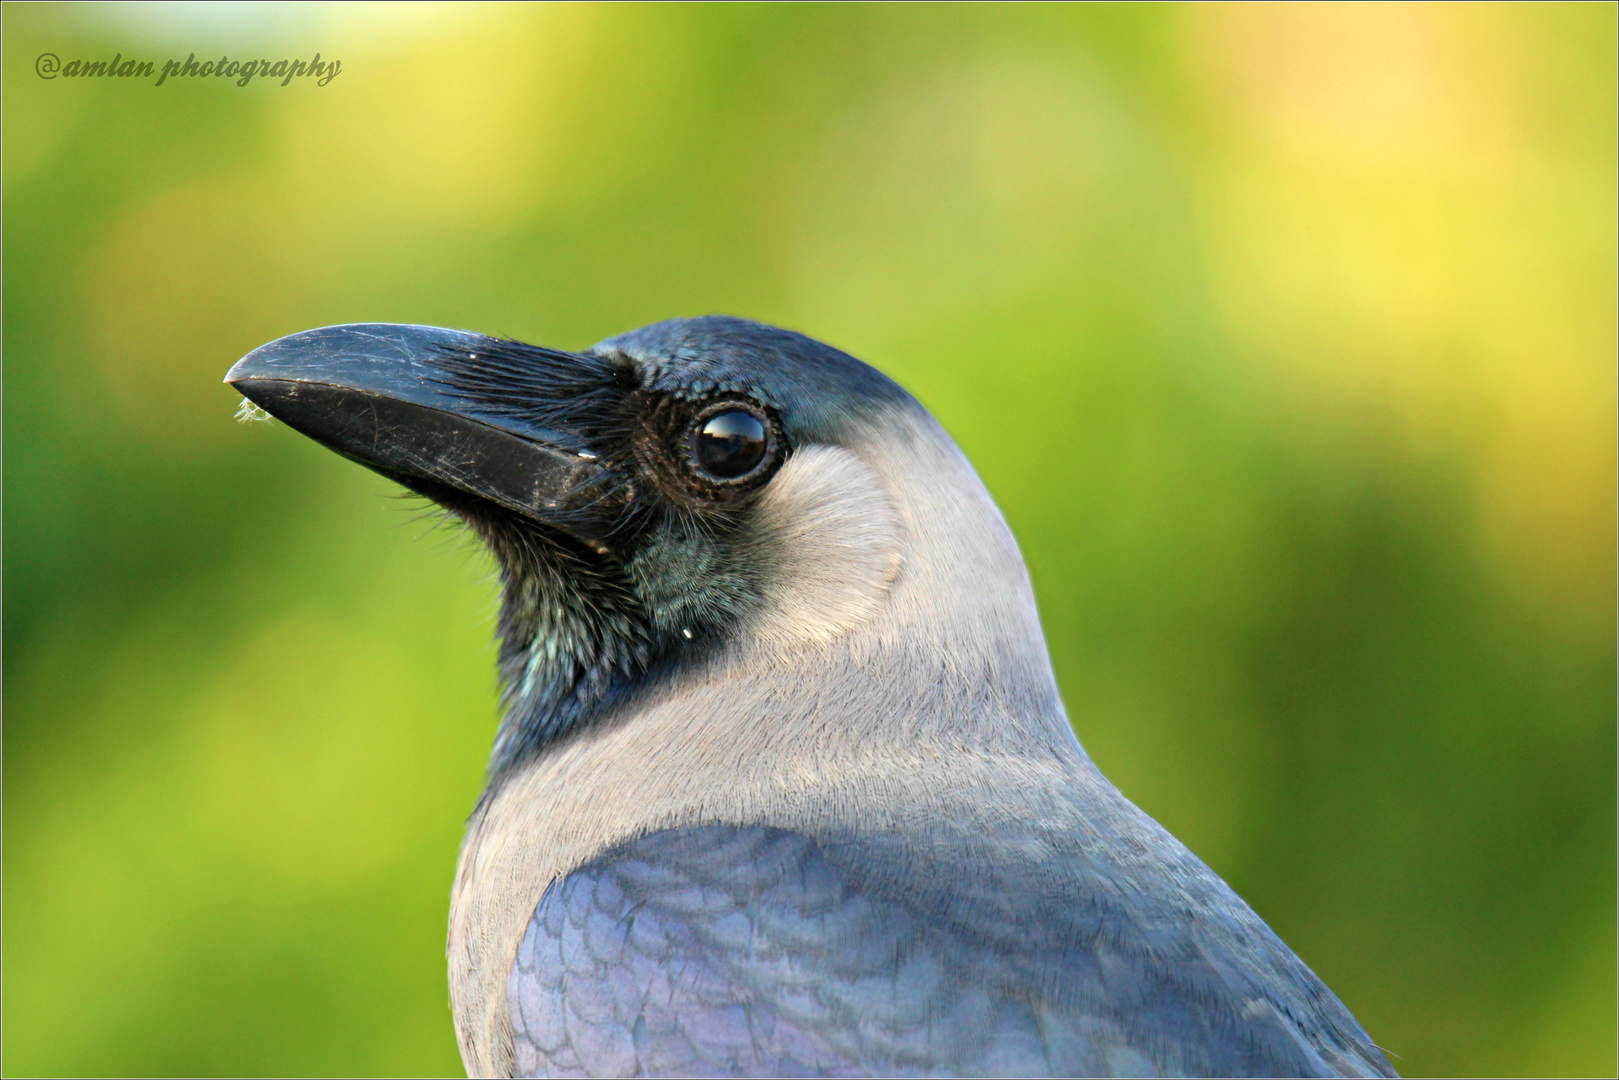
pixel 730 443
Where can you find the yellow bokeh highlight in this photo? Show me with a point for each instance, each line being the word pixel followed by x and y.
pixel 1394 227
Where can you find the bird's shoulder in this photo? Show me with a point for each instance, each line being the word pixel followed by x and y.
pixel 750 950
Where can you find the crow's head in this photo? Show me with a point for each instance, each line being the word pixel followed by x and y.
pixel 693 489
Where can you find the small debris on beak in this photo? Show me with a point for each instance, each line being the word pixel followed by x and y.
pixel 249 413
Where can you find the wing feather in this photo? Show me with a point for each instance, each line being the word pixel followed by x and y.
pixel 752 951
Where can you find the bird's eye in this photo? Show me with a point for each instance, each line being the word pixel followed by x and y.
pixel 729 445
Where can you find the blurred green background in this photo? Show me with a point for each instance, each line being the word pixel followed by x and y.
pixel 1285 337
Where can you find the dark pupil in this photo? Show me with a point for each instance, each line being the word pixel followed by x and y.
pixel 729 445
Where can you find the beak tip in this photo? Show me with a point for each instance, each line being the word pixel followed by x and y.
pixel 256 364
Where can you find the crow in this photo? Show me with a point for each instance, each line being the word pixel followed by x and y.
pixel 783 783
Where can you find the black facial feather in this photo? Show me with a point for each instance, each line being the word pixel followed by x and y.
pixel 646 564
pixel 579 400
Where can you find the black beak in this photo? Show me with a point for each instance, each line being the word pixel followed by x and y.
pixel 382 394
